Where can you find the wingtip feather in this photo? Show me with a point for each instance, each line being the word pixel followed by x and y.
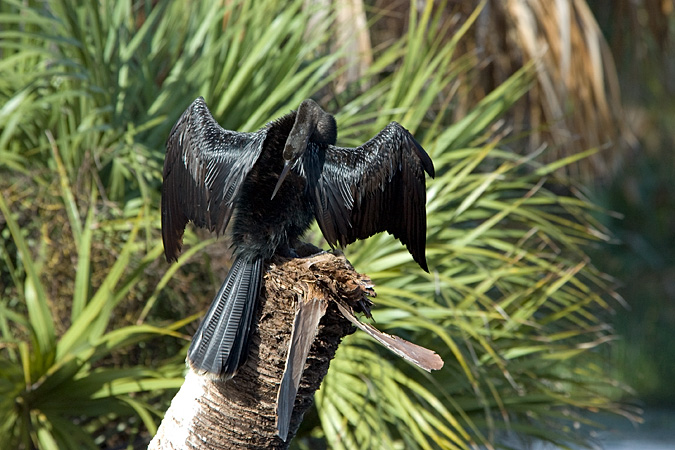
pixel 427 163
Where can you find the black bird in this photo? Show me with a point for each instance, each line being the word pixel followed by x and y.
pixel 272 184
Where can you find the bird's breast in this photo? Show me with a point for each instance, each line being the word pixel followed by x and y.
pixel 262 224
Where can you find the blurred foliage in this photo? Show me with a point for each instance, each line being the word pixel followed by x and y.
pixel 642 37
pixel 89 92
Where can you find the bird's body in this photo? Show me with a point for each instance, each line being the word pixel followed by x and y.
pixel 272 184
pixel 263 225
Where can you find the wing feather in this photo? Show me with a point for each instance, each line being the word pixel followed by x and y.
pixel 204 168
pixel 379 186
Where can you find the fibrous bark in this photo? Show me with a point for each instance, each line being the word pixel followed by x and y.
pixel 241 412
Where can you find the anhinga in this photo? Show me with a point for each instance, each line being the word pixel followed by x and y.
pixel 272 184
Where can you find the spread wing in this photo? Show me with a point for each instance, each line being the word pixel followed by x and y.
pixel 378 186
pixel 203 169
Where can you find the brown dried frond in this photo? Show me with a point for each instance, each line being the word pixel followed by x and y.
pixel 575 103
pixel 578 99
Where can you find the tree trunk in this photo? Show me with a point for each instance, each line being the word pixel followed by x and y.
pixel 241 412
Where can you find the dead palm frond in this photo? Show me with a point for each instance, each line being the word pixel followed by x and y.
pixel 575 103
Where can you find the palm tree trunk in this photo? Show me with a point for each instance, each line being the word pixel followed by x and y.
pixel 240 413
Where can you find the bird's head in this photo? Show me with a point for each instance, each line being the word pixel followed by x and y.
pixel 311 123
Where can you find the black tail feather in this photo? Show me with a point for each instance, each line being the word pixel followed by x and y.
pixel 220 345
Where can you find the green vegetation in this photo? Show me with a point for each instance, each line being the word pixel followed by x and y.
pixel 92 319
pixel 642 193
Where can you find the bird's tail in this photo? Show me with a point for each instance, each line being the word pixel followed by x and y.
pixel 220 345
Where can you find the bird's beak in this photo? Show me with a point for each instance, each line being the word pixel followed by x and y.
pixel 287 168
